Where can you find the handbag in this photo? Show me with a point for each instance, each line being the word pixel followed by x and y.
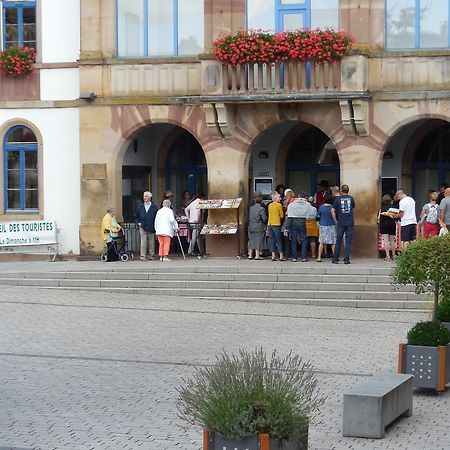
pixel 443 231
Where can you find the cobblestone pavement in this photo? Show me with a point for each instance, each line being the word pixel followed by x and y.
pixel 83 371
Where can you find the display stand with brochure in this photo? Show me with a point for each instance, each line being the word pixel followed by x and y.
pixel 224 228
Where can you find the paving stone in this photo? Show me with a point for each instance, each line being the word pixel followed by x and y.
pixel 84 369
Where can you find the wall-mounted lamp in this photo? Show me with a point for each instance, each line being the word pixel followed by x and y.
pixel 388 155
pixel 88 96
pixel 263 155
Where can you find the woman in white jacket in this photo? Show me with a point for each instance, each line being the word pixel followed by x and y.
pixel 165 225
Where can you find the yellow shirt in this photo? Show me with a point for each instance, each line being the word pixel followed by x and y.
pixel 276 214
pixel 108 224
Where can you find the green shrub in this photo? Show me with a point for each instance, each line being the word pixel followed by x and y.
pixel 426 264
pixel 428 334
pixel 249 394
pixel 443 310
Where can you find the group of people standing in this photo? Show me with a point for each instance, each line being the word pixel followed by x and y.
pixel 434 218
pixel 290 219
pixel 157 223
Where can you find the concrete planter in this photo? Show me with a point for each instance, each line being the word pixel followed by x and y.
pixel 430 366
pixel 215 441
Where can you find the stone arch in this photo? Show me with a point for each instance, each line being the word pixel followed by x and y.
pixel 397 126
pixel 128 121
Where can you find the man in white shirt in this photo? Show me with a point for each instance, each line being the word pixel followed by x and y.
pixel 407 216
pixel 195 218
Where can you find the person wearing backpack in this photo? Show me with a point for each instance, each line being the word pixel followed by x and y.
pixel 429 217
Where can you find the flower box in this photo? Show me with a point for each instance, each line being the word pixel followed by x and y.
pixel 214 441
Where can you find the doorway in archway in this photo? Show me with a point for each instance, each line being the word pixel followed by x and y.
pixel 311 159
pixel 161 157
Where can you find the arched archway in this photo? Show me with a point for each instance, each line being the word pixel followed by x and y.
pixel 311 158
pixel 157 158
pixel 186 166
pixel 417 158
pixel 296 154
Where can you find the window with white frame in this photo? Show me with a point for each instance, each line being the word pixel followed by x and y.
pixel 417 24
pixel 283 15
pixel 20 167
pixel 152 28
pixel 18 23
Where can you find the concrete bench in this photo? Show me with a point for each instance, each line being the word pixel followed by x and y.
pixel 376 402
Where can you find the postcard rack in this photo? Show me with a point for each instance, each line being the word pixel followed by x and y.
pixel 224 228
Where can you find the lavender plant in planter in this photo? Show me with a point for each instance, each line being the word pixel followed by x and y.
pixel 426 264
pixel 252 401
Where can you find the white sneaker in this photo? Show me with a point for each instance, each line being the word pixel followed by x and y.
pixel 166 259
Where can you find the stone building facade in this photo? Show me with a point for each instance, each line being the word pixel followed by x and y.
pixel 153 116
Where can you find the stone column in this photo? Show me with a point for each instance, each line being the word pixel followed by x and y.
pixel 227 178
pixel 222 17
pixel 361 170
pixel 364 20
pixel 97 38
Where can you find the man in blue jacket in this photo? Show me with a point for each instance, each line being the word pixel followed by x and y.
pixel 145 220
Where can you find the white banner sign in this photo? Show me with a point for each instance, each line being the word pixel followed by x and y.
pixel 35 232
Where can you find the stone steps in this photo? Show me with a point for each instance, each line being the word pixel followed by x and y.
pixel 302 284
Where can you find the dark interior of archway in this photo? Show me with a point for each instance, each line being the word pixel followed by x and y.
pixel 311 159
pixel 186 168
pixel 431 162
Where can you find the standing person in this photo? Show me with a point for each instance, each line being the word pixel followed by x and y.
pixel 441 195
pixel 144 217
pixel 298 211
pixel 335 191
pixel 327 227
pixel 185 200
pixel 444 210
pixel 388 227
pixel 196 222
pixel 165 225
pixel 322 189
pixel 289 197
pixel 257 219
pixel 168 196
pixel 407 216
pixel 342 212
pixel 312 229
pixel 275 218
pixel 429 217
pixel 110 230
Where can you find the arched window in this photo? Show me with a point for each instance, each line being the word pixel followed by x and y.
pixel 20 165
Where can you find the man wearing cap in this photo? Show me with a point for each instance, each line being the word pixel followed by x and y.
pixel 145 220
pixel 298 211
pixel 168 196
pixel 322 188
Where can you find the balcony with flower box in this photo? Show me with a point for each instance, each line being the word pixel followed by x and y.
pixel 18 78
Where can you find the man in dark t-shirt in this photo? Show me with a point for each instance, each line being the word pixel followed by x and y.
pixel 342 212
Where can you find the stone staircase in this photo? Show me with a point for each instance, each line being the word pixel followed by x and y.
pixel 247 281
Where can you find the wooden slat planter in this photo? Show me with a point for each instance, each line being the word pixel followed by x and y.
pixel 282 78
pixel 430 366
pixel 214 441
